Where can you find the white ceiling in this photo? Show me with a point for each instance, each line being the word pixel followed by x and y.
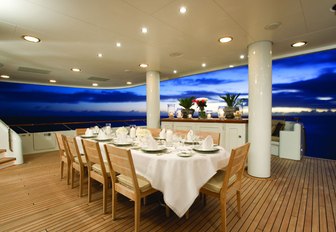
pixel 74 31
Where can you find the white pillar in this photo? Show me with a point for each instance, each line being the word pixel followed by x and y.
pixel 260 108
pixel 153 99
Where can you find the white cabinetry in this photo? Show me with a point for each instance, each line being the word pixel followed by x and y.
pixel 232 135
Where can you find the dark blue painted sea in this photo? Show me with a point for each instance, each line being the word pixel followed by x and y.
pixel 320 130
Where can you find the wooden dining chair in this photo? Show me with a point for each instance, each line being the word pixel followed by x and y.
pixel 181 133
pixel 215 136
pixel 228 181
pixel 64 159
pixel 155 132
pixel 80 131
pixel 97 169
pixel 126 182
pixel 78 162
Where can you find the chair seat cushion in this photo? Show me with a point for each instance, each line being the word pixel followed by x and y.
pixel 144 184
pixel 216 182
pixel 83 159
pixel 97 168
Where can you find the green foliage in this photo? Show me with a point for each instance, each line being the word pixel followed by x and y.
pixel 232 99
pixel 186 103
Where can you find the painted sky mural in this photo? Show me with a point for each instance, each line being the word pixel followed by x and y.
pixel 301 84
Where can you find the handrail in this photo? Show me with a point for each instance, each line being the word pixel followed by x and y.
pixel 74 123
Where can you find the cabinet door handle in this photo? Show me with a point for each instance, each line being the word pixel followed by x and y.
pixel 239 136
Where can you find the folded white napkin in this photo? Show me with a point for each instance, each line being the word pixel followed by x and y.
pixel 163 133
pixel 96 129
pixel 190 135
pixel 121 130
pixel 151 143
pixel 207 143
pixel 108 129
pixel 132 133
pixel 88 132
pixel 102 135
pixel 169 136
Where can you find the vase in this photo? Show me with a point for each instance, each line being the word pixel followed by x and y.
pixel 186 112
pixel 202 114
pixel 229 112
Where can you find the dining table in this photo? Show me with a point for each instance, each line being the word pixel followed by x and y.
pixel 178 171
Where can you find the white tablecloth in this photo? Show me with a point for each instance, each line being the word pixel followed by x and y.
pixel 178 178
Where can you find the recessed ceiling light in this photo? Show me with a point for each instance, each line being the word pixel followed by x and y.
pixel 128 83
pixel 175 54
pixel 204 65
pixel 175 71
pixel 94 84
pixel 333 9
pixel 100 55
pixel 75 70
pixel 242 56
pixel 31 38
pixel 299 44
pixel 143 65
pixel 231 66
pixel 118 44
pixel 52 81
pixel 5 76
pixel 225 39
pixel 144 30
pixel 272 26
pixel 183 9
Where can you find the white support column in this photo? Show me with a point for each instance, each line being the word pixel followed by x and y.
pixel 260 108
pixel 153 99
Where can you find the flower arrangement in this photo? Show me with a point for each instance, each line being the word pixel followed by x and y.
pixel 201 103
pixel 140 133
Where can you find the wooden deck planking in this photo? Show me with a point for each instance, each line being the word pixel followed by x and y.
pixel 300 196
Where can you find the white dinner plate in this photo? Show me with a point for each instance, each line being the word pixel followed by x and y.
pixel 147 149
pixel 122 144
pixel 159 138
pixel 184 154
pixel 200 149
pixel 102 139
pixel 191 142
pixel 88 136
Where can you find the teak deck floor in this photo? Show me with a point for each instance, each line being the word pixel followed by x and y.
pixel 300 196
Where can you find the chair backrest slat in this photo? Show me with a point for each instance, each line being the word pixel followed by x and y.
pixel 236 166
pixel 93 153
pixel 73 148
pixel 60 141
pixel 121 162
pixel 215 135
pixel 155 131
pixel 80 131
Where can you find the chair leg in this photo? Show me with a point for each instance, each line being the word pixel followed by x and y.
pixel 239 203
pixel 81 180
pixel 167 211
pixel 105 188
pixel 62 168
pixel 114 203
pixel 68 172
pixel 73 172
pixel 204 200
pixel 223 216
pixel 89 189
pixel 187 214
pixel 137 204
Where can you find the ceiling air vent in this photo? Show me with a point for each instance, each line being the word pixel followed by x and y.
pixel 98 79
pixel 33 70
